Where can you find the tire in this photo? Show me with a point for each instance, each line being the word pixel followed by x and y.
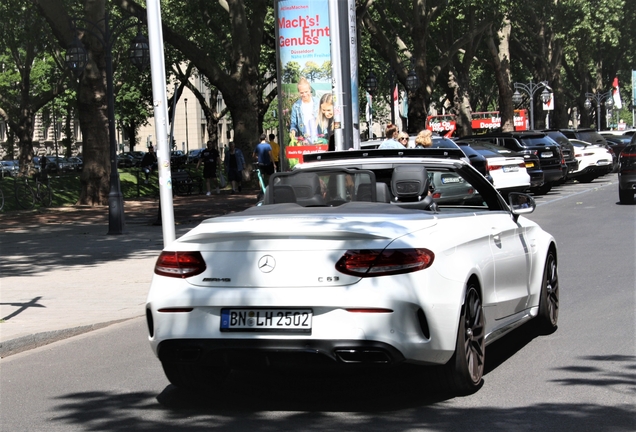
pixel 626 196
pixel 589 178
pixel 543 189
pixel 45 195
pixel 548 317
pixel 194 376
pixel 465 369
pixel 24 196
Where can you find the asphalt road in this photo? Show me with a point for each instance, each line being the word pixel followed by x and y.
pixel 581 378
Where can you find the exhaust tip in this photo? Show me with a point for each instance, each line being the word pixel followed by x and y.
pixel 363 356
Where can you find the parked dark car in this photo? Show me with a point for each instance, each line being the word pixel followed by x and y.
pixel 534 143
pixel 58 165
pixel 567 149
pixel 477 160
pixel 194 156
pixel 617 142
pixel 627 173
pixel 9 168
pixel 177 158
pixel 136 157
pixel 593 137
pixel 77 163
pixel 125 161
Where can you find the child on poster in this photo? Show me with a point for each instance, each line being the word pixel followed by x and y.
pixel 325 118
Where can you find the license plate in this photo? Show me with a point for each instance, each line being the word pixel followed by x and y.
pixel 510 169
pixel 529 164
pixel 547 154
pixel 451 179
pixel 267 320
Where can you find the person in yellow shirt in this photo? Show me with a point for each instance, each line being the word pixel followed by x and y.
pixel 275 150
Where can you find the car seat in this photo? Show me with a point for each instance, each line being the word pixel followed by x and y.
pixel 409 186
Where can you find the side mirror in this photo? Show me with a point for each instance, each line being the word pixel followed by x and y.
pixel 521 203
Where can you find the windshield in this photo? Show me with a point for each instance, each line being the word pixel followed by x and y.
pixel 321 187
pixel 591 137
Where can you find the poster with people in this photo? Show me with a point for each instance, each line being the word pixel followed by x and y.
pixel 304 77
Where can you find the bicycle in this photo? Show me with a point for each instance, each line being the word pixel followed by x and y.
pixel 26 196
pixel 261 183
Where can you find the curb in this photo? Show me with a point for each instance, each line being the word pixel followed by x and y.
pixel 25 343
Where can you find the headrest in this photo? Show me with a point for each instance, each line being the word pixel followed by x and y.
pixel 306 185
pixel 409 182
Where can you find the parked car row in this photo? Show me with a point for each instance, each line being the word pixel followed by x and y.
pixel 534 161
pixel 54 165
pixel 9 168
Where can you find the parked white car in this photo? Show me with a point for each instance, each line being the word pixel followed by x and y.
pixel 594 161
pixel 351 262
pixel 506 167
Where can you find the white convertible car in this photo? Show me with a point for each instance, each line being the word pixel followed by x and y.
pixel 364 257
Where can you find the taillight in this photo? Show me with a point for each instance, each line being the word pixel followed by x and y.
pixel 492 167
pixel 371 263
pixel 179 264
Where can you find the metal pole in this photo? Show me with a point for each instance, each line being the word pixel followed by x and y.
pixel 391 102
pixel 160 103
pixel 345 70
pixel 116 222
pixel 531 110
pixel 55 132
pixel 186 115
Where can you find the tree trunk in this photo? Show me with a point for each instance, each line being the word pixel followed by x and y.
pixel 458 85
pixel 24 132
pixel 500 60
pixel 92 102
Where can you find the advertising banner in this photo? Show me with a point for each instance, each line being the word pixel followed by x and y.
pixel 633 89
pixel 492 120
pixel 305 97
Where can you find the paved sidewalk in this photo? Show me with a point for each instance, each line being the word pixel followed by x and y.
pixel 61 275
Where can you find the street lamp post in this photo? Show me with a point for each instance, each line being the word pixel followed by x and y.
pixel 530 89
pixel 186 119
pixel 599 98
pixel 371 85
pixel 412 83
pixel 76 59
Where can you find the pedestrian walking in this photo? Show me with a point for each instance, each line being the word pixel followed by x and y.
pixel 234 165
pixel 211 161
pixel 263 156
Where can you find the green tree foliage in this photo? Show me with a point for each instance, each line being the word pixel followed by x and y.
pixel 231 43
pixel 30 76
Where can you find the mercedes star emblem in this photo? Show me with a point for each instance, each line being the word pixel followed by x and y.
pixel 266 264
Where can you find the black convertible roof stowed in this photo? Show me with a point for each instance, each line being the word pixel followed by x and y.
pixel 440 153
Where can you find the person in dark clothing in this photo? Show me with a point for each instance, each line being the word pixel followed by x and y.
pixel 263 156
pixel 234 165
pixel 210 160
pixel 148 162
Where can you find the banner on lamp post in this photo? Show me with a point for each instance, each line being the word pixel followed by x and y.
pixel 305 98
pixel 549 105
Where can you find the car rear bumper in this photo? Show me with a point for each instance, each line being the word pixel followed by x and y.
pixel 237 353
pixel 552 175
pixel 592 170
pixel 627 181
pixel 537 178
